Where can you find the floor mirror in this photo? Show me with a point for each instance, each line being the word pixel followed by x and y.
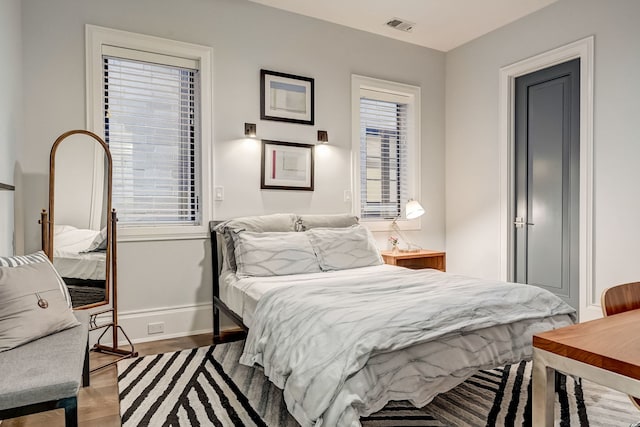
pixel 79 232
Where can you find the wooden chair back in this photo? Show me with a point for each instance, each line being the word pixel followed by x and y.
pixel 619 299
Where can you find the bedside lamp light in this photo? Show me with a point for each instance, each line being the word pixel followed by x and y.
pixel 413 209
pixel 250 130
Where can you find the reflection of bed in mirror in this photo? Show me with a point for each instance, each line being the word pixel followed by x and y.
pixel 80 257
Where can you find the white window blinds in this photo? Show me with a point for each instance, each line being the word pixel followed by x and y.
pixel 151 126
pixel 383 155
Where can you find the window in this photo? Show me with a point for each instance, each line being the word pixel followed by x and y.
pixel 386 138
pixel 154 112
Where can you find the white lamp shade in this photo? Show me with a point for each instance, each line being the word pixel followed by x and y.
pixel 413 209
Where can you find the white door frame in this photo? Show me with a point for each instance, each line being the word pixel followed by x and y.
pixel 583 49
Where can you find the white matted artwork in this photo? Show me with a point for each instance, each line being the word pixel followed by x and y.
pixel 286 97
pixel 286 166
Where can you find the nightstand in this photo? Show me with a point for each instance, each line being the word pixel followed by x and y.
pixel 420 259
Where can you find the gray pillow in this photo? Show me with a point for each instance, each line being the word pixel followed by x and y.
pixel 31 305
pixel 38 257
pixel 99 243
pixel 307 222
pixel 274 222
pixel 274 254
pixel 343 248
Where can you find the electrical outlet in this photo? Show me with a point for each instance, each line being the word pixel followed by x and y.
pixel 219 193
pixel 155 328
pixel 347 195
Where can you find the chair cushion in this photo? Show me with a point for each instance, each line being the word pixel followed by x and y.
pixel 46 369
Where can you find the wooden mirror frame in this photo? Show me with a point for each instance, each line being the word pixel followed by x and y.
pixel 47 221
pixel 110 278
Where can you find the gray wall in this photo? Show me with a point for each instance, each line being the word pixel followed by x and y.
pixel 10 114
pixel 472 186
pixel 161 281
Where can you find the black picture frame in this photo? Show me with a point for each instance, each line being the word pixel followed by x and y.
pixel 286 97
pixel 286 166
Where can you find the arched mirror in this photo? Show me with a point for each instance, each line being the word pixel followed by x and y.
pixel 79 224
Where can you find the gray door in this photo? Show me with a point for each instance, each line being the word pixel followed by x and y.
pixel 547 174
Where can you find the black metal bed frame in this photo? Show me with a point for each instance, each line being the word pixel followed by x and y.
pixel 218 305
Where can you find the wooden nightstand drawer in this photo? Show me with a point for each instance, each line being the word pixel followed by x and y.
pixel 417 260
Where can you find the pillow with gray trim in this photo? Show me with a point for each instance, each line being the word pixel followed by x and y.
pixel 344 248
pixel 31 305
pixel 262 223
pixel 99 243
pixel 274 254
pixel 38 257
pixel 307 222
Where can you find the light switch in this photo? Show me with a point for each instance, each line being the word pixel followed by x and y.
pixel 347 195
pixel 219 193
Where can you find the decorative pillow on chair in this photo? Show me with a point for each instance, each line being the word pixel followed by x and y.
pixel 343 248
pixel 31 305
pixel 274 254
pixel 38 257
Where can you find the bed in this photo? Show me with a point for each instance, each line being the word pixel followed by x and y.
pixel 79 256
pixel 343 334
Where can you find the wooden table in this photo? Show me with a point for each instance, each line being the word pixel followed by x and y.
pixel 422 258
pixel 605 351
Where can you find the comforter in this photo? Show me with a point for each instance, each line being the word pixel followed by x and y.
pixel 313 340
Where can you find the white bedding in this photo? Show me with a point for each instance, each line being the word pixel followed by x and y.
pixel 69 259
pixel 338 359
pixel 242 294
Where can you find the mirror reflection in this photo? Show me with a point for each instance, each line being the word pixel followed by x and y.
pixel 79 239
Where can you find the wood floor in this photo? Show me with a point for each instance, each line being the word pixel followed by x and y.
pixel 98 404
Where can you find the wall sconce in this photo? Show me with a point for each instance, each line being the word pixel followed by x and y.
pixel 250 130
pixel 323 136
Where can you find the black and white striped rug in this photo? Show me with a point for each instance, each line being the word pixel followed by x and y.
pixel 206 386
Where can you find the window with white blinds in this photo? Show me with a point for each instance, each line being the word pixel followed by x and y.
pixel 386 136
pixel 383 157
pixel 151 124
pixel 151 100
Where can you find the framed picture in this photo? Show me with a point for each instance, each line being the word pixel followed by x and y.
pixel 286 166
pixel 286 98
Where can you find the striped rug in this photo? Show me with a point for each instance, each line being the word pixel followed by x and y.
pixel 206 386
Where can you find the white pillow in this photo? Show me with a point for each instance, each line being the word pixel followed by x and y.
pixel 263 223
pixel 31 305
pixel 38 257
pixel 273 254
pixel 99 242
pixel 307 222
pixel 68 239
pixel 343 248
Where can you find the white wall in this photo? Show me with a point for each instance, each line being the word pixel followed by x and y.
pixel 10 114
pixel 472 185
pixel 169 281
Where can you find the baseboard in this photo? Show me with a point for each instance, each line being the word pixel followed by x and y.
pixel 178 321
pixel 174 321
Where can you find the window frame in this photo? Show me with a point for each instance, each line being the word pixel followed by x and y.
pixel 95 38
pixel 392 90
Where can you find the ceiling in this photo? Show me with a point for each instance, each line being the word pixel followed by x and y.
pixel 439 24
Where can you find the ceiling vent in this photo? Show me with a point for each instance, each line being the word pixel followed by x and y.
pixel 401 24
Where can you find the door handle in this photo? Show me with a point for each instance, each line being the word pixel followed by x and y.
pixel 519 222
